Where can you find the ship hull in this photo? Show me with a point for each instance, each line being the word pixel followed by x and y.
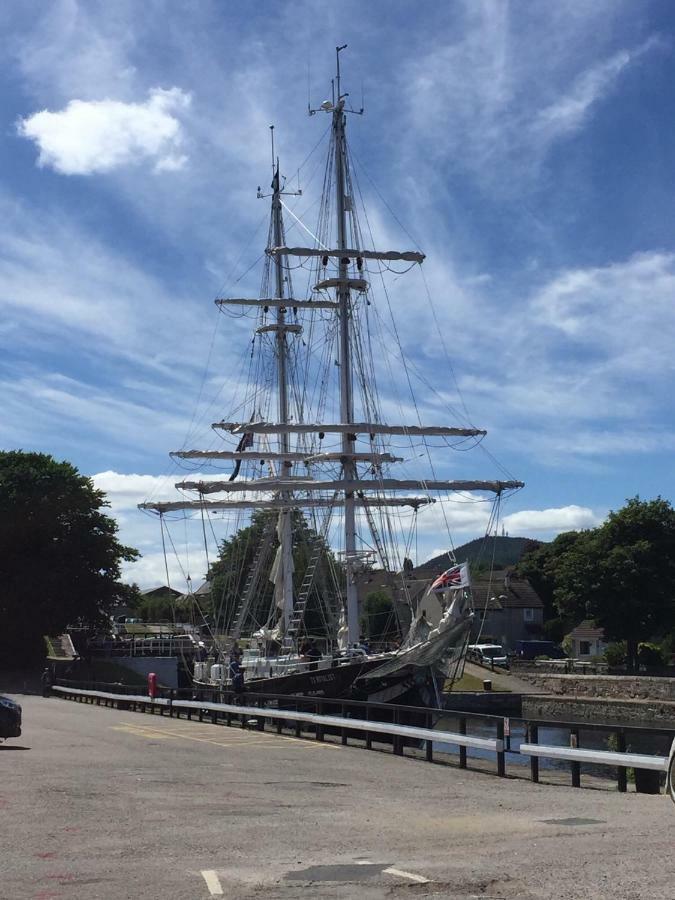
pixel 414 677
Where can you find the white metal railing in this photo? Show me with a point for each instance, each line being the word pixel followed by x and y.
pixel 365 725
pixel 496 745
pixel 598 757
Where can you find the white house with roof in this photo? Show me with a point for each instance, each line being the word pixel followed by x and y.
pixel 587 641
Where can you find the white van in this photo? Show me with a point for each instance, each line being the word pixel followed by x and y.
pixel 489 654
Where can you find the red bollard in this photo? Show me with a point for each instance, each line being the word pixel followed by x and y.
pixel 152 685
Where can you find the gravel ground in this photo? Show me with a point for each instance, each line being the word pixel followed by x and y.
pixel 102 803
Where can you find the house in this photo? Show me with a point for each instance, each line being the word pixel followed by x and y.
pixel 508 609
pixel 161 591
pixel 587 641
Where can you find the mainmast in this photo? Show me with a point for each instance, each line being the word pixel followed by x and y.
pixel 343 296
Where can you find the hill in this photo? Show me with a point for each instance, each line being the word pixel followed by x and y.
pixel 506 551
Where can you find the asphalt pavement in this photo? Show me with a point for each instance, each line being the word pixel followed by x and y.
pixel 105 804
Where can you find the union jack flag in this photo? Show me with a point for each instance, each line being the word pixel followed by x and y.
pixel 452 579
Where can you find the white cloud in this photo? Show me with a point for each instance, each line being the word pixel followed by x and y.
pixel 126 491
pixel 185 552
pixel 570 110
pixel 555 521
pixel 89 136
pixel 623 310
pixel 494 95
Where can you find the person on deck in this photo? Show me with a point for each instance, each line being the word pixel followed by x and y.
pixel 236 675
pixel 313 654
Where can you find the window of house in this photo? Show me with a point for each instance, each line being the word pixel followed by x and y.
pixel 584 648
pixel 528 615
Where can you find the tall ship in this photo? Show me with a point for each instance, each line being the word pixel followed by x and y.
pixel 314 473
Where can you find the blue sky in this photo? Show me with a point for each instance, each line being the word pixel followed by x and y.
pixel 528 148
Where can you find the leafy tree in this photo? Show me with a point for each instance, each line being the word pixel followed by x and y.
pixel 651 656
pixel 161 607
pixel 59 554
pixel 228 574
pixel 621 574
pixel 539 565
pixel 615 654
pixel 378 622
pixel 624 573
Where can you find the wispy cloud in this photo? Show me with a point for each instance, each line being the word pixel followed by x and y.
pixel 502 91
pixel 624 311
pixel 95 136
pixel 570 110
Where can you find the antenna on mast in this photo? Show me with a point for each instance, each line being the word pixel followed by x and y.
pixel 331 106
pixel 272 137
pixel 337 57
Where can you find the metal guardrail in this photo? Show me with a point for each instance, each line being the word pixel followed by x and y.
pixel 597 757
pixel 368 728
pixel 320 720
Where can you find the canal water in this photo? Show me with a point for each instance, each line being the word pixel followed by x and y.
pixel 653 745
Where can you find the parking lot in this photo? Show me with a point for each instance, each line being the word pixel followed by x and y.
pixel 102 803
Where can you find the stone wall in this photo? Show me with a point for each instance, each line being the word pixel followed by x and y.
pixel 648 713
pixel 623 687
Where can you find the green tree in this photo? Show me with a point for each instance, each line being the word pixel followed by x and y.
pixel 621 574
pixel 539 565
pixel 236 557
pixel 162 607
pixel 378 621
pixel 59 554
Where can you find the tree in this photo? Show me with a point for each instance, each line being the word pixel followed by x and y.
pixel 378 621
pixel 621 574
pixel 236 557
pixel 59 554
pixel 161 607
pixel 540 564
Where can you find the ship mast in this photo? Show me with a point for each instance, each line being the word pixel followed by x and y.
pixel 283 492
pixel 343 296
pixel 284 527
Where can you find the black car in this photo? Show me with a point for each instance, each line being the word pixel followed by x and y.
pixel 10 718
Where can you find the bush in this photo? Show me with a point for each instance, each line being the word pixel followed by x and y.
pixel 556 629
pixel 651 656
pixel 615 654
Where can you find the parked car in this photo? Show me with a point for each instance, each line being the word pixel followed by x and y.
pixel 10 718
pixel 489 654
pixel 533 649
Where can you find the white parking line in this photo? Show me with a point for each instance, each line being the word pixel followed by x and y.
pixel 409 875
pixel 212 882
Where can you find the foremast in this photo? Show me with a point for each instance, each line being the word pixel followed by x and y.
pixel 284 575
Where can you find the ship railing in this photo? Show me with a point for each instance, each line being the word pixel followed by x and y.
pixel 415 730
pixel 268 666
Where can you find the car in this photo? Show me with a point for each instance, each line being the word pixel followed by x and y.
pixel 10 718
pixel 533 649
pixel 489 654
